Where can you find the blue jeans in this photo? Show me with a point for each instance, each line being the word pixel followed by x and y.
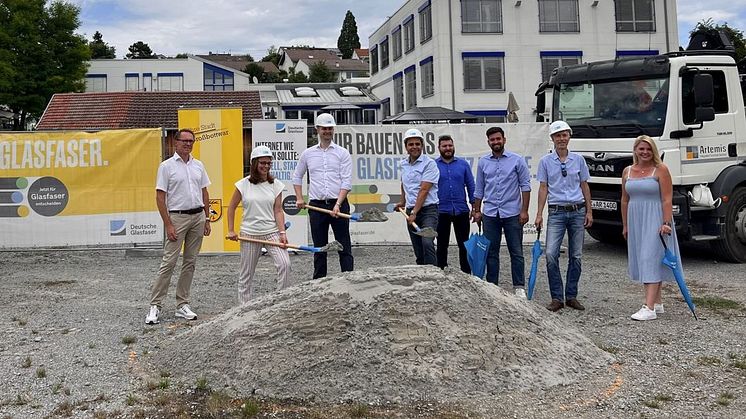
pixel 557 223
pixel 424 247
pixel 493 229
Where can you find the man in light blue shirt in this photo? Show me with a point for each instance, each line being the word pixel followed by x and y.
pixel 419 195
pixel 563 178
pixel 501 200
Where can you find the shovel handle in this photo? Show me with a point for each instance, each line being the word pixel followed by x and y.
pixel 404 213
pixel 330 212
pixel 272 243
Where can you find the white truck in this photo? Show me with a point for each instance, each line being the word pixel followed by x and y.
pixel 692 104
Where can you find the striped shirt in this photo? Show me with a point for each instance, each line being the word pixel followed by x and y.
pixel 329 171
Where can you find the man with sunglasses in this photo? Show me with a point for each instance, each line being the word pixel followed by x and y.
pixel 184 206
pixel 563 177
pixel 504 187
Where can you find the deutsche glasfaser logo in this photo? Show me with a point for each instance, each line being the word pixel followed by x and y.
pixel 118 227
pixel 280 128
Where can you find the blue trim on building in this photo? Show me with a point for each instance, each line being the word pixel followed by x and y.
pixel 397 29
pixel 488 112
pixel 96 76
pixel 560 53
pixel 170 74
pixel 409 69
pixel 480 54
pixel 636 52
pixel 369 106
pixel 424 6
pixel 217 69
pixel 397 75
pixel 132 75
pixel 373 48
pixel 386 100
pixel 384 39
pixel 302 107
pixel 407 20
pixel 427 60
pixel 147 74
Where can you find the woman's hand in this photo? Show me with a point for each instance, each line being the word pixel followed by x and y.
pixel 624 232
pixel 232 236
pixel 665 229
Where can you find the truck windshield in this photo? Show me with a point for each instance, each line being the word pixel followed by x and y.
pixel 613 108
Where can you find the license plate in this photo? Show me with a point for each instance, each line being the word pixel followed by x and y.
pixel 598 204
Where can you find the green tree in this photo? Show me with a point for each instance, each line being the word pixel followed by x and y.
pixel 254 70
pixel 100 49
pixel 736 35
pixel 348 39
pixel 40 55
pixel 140 50
pixel 273 56
pixel 182 55
pixel 298 77
pixel 318 72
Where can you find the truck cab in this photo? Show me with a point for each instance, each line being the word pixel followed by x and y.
pixel 691 104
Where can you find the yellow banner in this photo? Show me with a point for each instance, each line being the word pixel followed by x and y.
pixel 219 135
pixel 69 173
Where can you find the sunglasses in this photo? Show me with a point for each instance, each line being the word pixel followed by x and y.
pixel 563 167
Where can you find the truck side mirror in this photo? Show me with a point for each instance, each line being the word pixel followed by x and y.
pixel 704 95
pixel 541 102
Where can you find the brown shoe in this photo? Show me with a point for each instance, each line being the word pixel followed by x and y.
pixel 574 303
pixel 555 305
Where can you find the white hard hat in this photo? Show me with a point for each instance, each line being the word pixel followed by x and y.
pixel 260 151
pixel 558 126
pixel 325 120
pixel 413 133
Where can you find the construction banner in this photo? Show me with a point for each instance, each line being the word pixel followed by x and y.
pixel 70 188
pixel 219 145
pixel 377 151
pixel 287 140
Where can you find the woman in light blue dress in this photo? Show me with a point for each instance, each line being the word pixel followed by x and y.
pixel 647 193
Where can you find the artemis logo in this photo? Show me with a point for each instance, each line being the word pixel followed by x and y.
pixel 118 227
pixel 280 128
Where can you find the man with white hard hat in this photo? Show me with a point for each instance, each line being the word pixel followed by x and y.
pixel 419 195
pixel 563 177
pixel 329 168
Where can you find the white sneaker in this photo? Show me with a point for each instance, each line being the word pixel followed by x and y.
pixel 644 313
pixel 520 293
pixel 659 309
pixel 152 317
pixel 185 312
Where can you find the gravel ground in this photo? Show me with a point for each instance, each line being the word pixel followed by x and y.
pixel 74 340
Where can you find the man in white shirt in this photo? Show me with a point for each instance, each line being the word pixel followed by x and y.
pixel 183 203
pixel 329 169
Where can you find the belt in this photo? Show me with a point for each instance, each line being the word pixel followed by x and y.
pixel 330 201
pixel 189 211
pixel 567 207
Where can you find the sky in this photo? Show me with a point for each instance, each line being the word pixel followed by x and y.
pixel 171 27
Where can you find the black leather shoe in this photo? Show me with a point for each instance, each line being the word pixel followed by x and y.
pixel 574 303
pixel 555 305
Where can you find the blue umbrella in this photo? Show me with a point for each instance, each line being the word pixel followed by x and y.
pixel 670 260
pixel 476 253
pixel 536 252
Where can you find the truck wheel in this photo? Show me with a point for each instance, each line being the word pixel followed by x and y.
pixel 732 247
pixel 607 235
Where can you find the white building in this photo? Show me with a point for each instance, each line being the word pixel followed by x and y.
pixel 469 55
pixel 173 74
pixel 344 70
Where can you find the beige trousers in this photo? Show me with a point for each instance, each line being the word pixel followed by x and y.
pixel 250 253
pixel 190 229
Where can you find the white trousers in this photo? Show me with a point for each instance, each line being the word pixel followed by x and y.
pixel 250 253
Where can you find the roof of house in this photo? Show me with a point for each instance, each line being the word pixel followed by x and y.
pixel 239 62
pixel 121 110
pixel 296 54
pixel 339 64
pixel 326 94
pixel 361 52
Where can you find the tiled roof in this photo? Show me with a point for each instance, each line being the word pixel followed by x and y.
pixel 239 62
pixel 339 64
pixel 121 110
pixel 361 52
pixel 306 54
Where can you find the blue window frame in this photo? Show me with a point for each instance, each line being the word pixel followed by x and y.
pixel 217 79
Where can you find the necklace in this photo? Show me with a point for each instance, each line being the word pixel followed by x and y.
pixel 642 171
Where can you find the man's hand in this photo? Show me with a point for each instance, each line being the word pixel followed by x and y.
pixel 399 205
pixel 538 221
pixel 335 211
pixel 207 228
pixel 476 217
pixel 523 218
pixel 171 232
pixel 299 202
pixel 588 219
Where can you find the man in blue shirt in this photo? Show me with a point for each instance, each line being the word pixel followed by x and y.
pixel 563 178
pixel 455 175
pixel 504 186
pixel 419 195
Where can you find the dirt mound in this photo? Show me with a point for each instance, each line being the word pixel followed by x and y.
pixel 385 334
